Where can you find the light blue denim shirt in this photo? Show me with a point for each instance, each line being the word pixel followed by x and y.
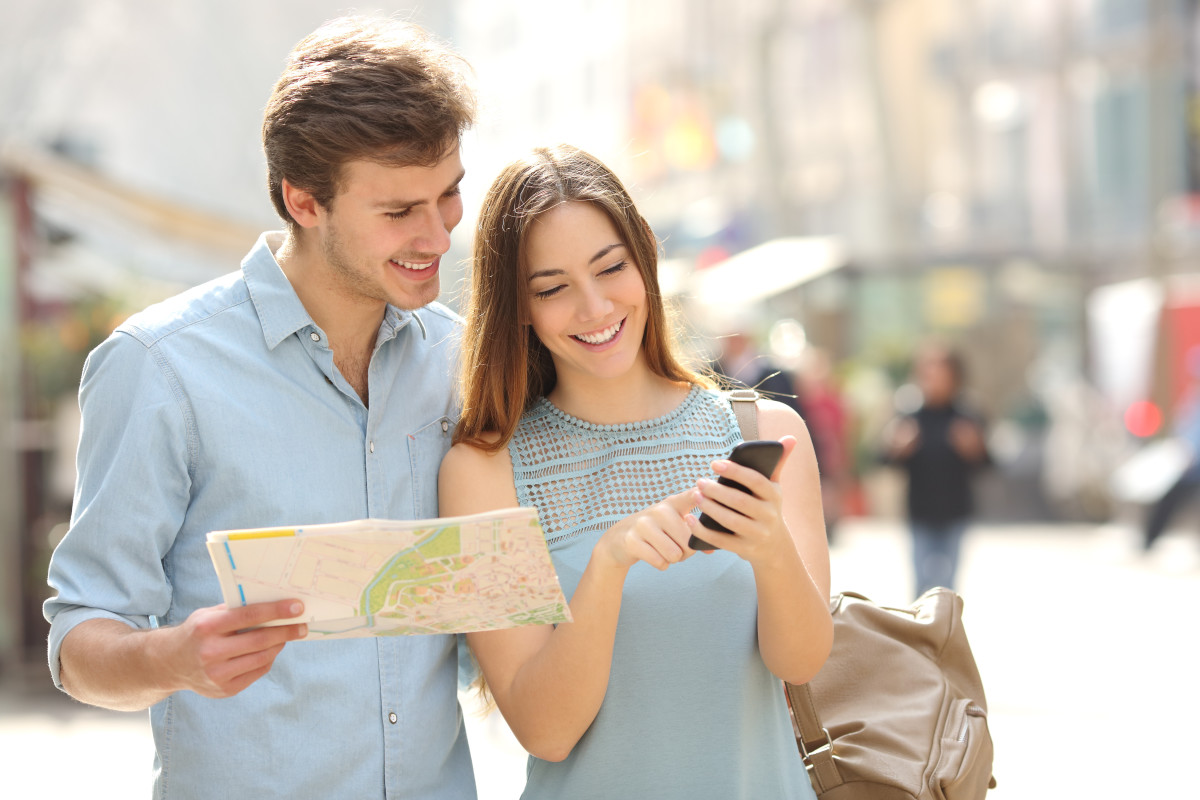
pixel 221 408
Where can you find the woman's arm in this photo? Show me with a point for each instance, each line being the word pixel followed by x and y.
pixel 549 681
pixel 780 531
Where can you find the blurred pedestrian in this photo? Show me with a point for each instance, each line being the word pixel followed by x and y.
pixel 939 445
pixel 313 385
pixel 826 417
pixel 742 365
pixel 1186 430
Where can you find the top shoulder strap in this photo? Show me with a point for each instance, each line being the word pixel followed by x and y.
pixel 744 408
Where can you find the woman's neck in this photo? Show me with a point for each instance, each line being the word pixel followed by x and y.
pixel 633 397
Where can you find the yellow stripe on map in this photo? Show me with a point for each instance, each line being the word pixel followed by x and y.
pixel 266 533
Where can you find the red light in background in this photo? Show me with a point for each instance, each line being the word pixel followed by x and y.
pixel 1143 418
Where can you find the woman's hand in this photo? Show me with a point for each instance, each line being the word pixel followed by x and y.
pixel 760 533
pixel 657 535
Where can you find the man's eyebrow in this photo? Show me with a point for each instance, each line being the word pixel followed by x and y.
pixel 601 253
pixel 415 203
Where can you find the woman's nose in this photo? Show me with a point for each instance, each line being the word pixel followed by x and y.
pixel 594 303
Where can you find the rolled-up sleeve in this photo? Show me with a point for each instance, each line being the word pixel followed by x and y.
pixel 136 447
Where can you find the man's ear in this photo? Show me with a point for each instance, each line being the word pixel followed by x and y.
pixel 300 203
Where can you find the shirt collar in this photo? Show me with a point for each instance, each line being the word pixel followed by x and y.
pixel 279 308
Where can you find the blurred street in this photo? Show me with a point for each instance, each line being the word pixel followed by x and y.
pixel 1080 637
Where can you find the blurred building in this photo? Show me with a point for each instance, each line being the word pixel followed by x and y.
pixel 130 168
pixel 985 164
pixel 980 168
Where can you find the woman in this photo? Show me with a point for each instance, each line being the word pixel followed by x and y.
pixel 575 402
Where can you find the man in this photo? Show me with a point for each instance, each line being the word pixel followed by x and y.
pixel 312 386
pixel 941 446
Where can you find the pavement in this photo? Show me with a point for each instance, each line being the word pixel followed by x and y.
pixel 1087 648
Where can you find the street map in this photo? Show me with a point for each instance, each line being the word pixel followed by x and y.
pixel 383 578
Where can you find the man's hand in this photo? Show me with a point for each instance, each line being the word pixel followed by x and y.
pixel 905 436
pixel 107 663
pixel 215 653
pixel 967 439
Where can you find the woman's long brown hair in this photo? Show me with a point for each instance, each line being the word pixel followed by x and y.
pixel 504 367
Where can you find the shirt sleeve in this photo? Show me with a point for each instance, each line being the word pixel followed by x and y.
pixel 131 492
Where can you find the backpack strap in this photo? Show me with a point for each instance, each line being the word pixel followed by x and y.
pixel 812 739
pixel 743 402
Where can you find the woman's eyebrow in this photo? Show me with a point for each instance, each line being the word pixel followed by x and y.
pixel 601 253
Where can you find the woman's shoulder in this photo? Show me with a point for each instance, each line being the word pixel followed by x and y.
pixel 481 478
pixel 777 419
pixel 469 456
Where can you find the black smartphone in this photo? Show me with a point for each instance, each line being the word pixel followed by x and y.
pixel 760 455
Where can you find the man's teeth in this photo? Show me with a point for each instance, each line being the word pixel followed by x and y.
pixel 411 264
pixel 600 337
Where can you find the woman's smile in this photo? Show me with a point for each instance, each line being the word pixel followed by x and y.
pixel 601 337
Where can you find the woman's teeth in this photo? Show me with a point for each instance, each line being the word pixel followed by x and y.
pixel 600 337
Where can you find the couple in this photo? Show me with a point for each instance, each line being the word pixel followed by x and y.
pixel 316 385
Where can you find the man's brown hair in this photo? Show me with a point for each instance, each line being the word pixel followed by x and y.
pixel 364 88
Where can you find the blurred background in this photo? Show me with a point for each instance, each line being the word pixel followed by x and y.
pixel 834 182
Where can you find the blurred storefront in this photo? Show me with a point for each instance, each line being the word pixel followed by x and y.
pixel 73 241
pixel 981 170
pixel 985 165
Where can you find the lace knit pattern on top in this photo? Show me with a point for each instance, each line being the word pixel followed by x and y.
pixel 584 477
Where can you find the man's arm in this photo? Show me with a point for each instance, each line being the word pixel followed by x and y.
pixel 132 495
pixel 107 663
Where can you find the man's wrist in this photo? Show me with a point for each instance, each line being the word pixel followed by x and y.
pixel 153 651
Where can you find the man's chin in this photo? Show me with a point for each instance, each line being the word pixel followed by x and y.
pixel 416 296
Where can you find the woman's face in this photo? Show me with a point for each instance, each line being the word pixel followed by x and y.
pixel 587 301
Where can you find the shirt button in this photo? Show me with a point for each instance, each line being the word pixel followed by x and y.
pixel 392 717
pixel 371 447
pixel 316 337
pixel 445 426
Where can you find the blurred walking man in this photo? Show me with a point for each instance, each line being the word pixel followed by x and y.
pixel 940 446
pixel 311 386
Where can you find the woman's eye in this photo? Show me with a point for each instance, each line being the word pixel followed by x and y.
pixel 545 294
pixel 620 265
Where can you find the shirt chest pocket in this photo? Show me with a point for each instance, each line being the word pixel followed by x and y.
pixel 427 446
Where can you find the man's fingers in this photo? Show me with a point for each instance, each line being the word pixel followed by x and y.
pixel 262 639
pixel 255 614
pixel 238 673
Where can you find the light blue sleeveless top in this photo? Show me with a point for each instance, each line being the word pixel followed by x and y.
pixel 691 711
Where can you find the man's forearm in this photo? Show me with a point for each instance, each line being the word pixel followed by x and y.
pixel 109 664
pixel 215 652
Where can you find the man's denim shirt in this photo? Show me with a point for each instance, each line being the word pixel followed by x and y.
pixel 221 408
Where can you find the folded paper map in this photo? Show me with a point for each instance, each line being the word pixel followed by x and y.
pixel 378 577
